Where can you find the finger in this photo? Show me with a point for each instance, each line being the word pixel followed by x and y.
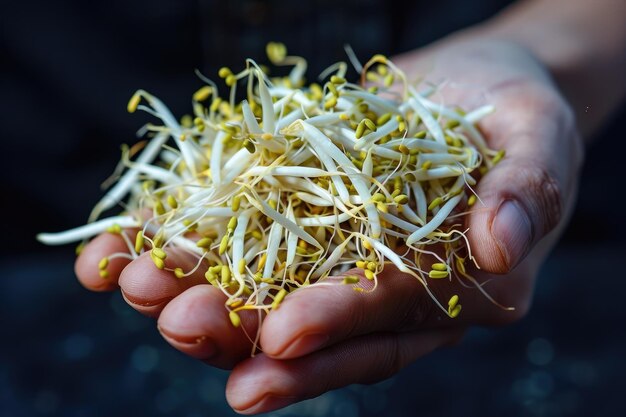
pixel 87 264
pixel 529 193
pixel 262 384
pixel 196 323
pixel 319 316
pixel 148 289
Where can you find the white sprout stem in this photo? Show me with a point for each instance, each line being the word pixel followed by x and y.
pixel 298 97
pixel 429 121
pixel 388 253
pixel 87 231
pixel 331 260
pixel 291 238
pixel 186 244
pixel 435 222
pixel 475 116
pixel 273 244
pixel 238 242
pixel 236 164
pixel 318 191
pixel 440 158
pixel 294 171
pixel 381 132
pixel 411 215
pixel 250 119
pixel 477 138
pixel 186 148
pixel 313 199
pixel 383 106
pixel 155 172
pixel 422 144
pixel 315 136
pixel 429 174
pixel 289 119
pixel 325 220
pixel 328 162
pixel 324 120
pixel 269 117
pixel 215 162
pixel 420 200
pixel 396 221
pixel 284 221
pixel 119 190
pixel 368 165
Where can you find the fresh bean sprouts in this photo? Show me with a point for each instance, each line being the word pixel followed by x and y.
pixel 299 183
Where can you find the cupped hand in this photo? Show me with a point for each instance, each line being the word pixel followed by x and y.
pixel 326 337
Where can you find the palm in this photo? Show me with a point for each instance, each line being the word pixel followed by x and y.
pixel 318 331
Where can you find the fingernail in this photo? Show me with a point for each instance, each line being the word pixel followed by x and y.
pixel 200 347
pixel 513 231
pixel 269 403
pixel 304 345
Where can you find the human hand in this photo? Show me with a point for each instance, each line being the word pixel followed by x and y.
pixel 323 338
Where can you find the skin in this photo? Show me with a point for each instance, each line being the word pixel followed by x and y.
pixel 317 333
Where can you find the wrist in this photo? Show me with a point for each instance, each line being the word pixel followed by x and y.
pixel 587 64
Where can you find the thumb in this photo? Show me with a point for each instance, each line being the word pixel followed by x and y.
pixel 530 192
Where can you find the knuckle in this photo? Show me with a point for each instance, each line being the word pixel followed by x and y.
pixel 547 196
pixel 390 361
pixel 414 313
pixel 537 188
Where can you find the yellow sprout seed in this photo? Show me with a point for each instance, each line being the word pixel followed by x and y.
pixel 350 279
pixel 171 201
pixel 139 242
pixel 279 298
pixel 454 313
pixel 225 274
pixel 234 318
pixel 401 198
pixel 158 262
pixel 104 262
pixel 224 72
pixel 437 274
pixel 223 244
pixel 159 253
pixel 435 203
pixel 204 243
pixel 203 93
pixel 453 301
pixel 498 157
pixel 133 103
pixel 439 267
pixel 210 276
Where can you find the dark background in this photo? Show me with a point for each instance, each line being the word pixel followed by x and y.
pixel 67 71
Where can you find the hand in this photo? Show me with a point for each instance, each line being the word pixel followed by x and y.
pixel 322 338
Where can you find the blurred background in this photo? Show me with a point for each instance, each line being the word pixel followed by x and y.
pixel 67 71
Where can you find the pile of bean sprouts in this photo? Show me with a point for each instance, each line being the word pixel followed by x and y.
pixel 299 183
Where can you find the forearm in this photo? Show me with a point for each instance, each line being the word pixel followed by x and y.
pixel 583 44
